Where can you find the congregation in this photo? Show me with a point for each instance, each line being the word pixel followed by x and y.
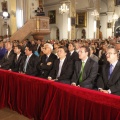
pixel 82 63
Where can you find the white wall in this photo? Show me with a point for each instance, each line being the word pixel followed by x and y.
pixel 104 19
pixel 33 6
pixel 90 28
pixel 61 22
pixel 109 30
pixel 103 23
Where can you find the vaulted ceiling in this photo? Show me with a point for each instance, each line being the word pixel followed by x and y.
pixel 86 4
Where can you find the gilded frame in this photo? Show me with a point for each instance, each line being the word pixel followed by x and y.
pixel 4 6
pixel 52 16
pixel 81 19
pixel 109 25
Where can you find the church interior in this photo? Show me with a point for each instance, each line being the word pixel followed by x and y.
pixel 86 22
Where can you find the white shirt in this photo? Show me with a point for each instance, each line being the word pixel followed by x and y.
pixel 48 55
pixel 26 62
pixel 60 67
pixel 18 55
pixel 8 53
pixel 71 52
pixel 29 56
pixel 38 46
pixel 85 60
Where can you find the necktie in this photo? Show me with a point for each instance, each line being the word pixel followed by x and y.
pixel 46 58
pixel 17 57
pixel 81 72
pixel 26 62
pixel 60 68
pixel 8 54
pixel 110 71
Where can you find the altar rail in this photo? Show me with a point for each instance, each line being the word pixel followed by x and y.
pixel 47 100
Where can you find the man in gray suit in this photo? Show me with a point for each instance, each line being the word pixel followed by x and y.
pixel 85 70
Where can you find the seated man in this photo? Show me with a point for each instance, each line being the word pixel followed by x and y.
pixel 18 58
pixel 85 70
pixel 8 58
pixel 46 62
pixel 62 68
pixel 29 62
pixel 109 81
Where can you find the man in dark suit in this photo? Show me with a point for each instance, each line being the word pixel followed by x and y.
pixel 46 62
pixel 39 46
pixel 109 81
pixel 63 67
pixel 72 54
pixel 8 58
pixel 30 61
pixel 85 70
pixel 18 59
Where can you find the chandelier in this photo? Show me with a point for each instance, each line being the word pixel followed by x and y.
pixel 95 13
pixel 63 9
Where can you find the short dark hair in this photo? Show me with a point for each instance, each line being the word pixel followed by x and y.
pixel 73 44
pixel 87 49
pixel 19 47
pixel 31 48
pixel 64 48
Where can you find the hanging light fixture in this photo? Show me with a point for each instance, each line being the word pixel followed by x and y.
pixel 63 9
pixel 95 13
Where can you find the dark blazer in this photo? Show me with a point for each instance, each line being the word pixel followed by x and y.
pixel 43 68
pixel 74 57
pixel 89 73
pixel 39 49
pixel 101 62
pixel 17 62
pixel 7 62
pixel 66 72
pixel 114 82
pixel 31 66
pixel 2 52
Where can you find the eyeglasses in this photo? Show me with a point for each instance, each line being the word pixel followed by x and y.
pixel 110 53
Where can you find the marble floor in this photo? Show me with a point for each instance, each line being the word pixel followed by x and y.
pixel 7 114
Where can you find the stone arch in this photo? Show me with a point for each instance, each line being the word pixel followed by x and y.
pixel 54 33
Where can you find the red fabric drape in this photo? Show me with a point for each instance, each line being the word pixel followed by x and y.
pixel 46 100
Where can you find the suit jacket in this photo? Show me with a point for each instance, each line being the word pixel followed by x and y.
pixel 74 57
pixel 31 66
pixel 17 62
pixel 7 61
pixel 114 82
pixel 94 57
pixel 43 68
pixel 2 52
pixel 89 73
pixel 66 72
pixel 39 49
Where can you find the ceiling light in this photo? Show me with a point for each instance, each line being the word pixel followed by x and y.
pixel 63 9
